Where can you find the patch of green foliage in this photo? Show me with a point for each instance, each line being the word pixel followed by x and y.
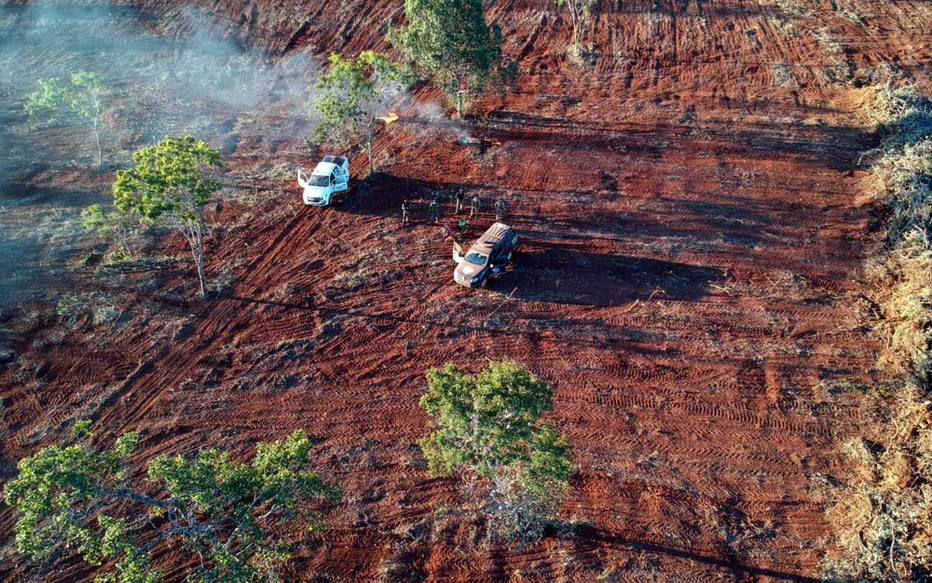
pixel 450 42
pixel 227 514
pixel 112 225
pixel 351 94
pixel 69 305
pixel 491 427
pixel 80 96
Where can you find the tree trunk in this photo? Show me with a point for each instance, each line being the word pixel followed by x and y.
pixel 459 96
pixel 193 232
pixel 369 140
pixel 199 255
pixel 571 5
pixel 97 137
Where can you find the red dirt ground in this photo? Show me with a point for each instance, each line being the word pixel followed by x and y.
pixel 687 281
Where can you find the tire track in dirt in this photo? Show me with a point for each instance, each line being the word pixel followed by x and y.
pixel 179 364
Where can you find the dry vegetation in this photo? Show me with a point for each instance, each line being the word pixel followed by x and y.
pixel 882 512
pixel 903 163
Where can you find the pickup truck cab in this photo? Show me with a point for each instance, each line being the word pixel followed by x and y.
pixel 487 257
pixel 329 176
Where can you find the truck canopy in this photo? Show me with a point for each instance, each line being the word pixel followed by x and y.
pixel 329 163
pixel 336 160
pixel 493 236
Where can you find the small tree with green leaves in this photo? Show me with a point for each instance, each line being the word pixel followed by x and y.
pixel 228 514
pixel 169 184
pixel 113 224
pixel 351 94
pixel 450 42
pixel 491 428
pixel 580 11
pixel 80 96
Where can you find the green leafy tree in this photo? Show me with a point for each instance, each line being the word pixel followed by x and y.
pixel 450 42
pixel 351 94
pixel 80 96
pixel 169 184
pixel 227 514
pixel 490 427
pixel 580 11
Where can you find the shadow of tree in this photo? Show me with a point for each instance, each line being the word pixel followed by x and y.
pixel 591 539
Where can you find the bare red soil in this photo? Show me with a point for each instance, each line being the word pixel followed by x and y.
pixel 687 281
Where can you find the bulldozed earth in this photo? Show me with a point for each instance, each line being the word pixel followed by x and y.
pixel 693 215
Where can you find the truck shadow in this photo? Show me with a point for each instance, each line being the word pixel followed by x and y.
pixel 566 274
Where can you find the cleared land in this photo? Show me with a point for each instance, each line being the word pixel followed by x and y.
pixel 693 224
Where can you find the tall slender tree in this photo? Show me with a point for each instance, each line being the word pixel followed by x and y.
pixel 580 11
pixel 80 96
pixel 169 184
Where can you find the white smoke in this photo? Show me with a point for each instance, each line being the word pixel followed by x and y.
pixel 195 78
pixel 183 73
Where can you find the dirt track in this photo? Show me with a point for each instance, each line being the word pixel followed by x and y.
pixel 687 281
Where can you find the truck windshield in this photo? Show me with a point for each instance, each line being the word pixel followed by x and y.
pixel 476 258
pixel 319 180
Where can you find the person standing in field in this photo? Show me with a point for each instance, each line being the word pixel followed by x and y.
pixel 434 210
pixel 476 204
pixel 404 212
pixel 459 199
pixel 499 209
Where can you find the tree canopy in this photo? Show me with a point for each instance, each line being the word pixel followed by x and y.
pixel 227 514
pixel 351 94
pixel 492 426
pixel 450 42
pixel 169 183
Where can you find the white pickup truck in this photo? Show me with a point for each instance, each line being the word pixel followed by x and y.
pixel 330 175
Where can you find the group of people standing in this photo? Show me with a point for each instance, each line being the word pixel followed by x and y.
pixel 434 208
